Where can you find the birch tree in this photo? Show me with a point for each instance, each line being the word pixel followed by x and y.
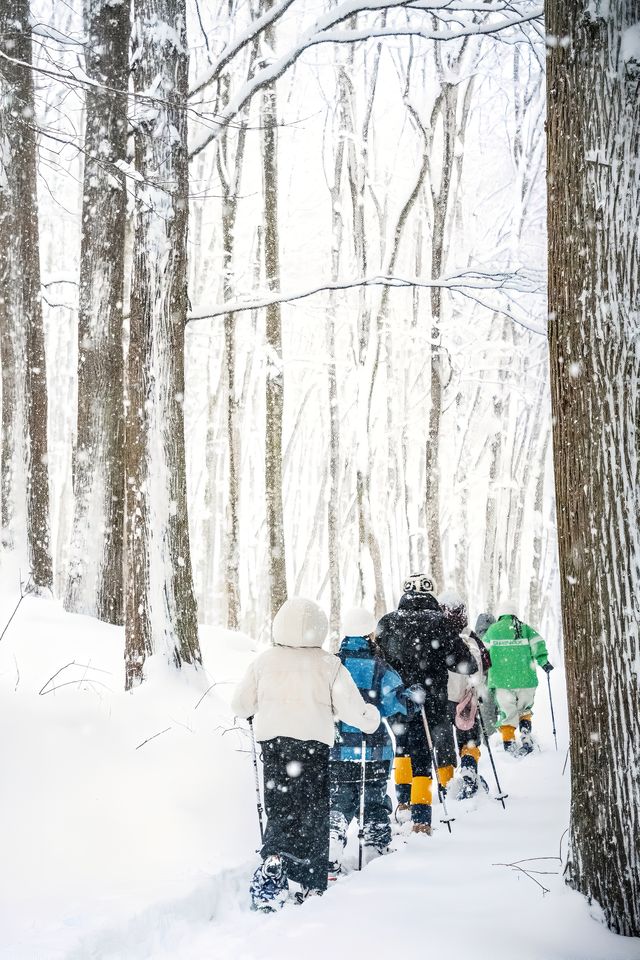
pixel 95 580
pixel 593 87
pixel 160 604
pixel 25 473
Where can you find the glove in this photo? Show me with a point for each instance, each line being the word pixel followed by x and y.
pixel 547 667
pixel 417 694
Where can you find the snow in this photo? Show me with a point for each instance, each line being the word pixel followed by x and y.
pixel 631 43
pixel 130 826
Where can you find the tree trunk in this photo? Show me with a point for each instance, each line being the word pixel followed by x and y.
pixel 24 366
pixel 275 371
pixel 594 305
pixel 160 612
pixel 95 581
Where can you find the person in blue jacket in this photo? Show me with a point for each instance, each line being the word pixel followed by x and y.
pixel 382 686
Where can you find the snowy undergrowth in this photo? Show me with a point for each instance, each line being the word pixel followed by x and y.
pixel 117 849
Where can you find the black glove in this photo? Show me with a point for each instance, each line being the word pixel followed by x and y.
pixel 547 667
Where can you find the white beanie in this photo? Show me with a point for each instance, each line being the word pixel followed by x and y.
pixel 506 606
pixel 358 622
pixel 419 583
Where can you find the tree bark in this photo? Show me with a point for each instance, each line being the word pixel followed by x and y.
pixel 275 371
pixel 25 446
pixel 160 612
pixel 95 579
pixel 594 304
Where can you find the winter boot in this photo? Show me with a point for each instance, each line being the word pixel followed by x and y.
pixel 469 769
pixel 304 893
pixel 508 734
pixel 469 785
pixel 337 843
pixel 422 828
pixel 269 886
pixel 526 744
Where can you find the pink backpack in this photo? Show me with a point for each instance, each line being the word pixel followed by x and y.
pixel 466 711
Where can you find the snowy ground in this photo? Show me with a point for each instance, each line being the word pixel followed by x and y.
pixel 116 851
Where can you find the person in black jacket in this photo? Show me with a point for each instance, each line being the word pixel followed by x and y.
pixel 420 643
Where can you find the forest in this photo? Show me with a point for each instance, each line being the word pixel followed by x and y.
pixel 299 298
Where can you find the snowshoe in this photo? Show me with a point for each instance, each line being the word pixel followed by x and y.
pixel 269 886
pixel 374 850
pixel 403 813
pixel 526 747
pixel 510 747
pixel 304 893
pixel 468 787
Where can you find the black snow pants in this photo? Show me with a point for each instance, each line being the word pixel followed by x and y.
pixel 296 795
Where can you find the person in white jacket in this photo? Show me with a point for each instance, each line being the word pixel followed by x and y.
pixel 295 691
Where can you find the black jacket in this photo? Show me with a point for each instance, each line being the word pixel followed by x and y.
pixel 420 643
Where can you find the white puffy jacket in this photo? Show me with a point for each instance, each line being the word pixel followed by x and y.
pixel 296 689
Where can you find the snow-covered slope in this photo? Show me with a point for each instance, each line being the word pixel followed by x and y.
pixel 118 849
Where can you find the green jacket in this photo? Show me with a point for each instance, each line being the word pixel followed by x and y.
pixel 514 648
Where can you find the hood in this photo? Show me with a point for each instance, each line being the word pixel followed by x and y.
pixel 358 622
pixel 455 610
pixel 418 603
pixel 483 623
pixel 451 600
pixel 300 623
pixel 355 645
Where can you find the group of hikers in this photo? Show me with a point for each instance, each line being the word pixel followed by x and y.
pixel 413 691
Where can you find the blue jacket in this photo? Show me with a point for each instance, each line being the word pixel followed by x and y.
pixel 378 684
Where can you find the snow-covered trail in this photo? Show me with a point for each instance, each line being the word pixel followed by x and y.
pixel 448 894
pixel 116 853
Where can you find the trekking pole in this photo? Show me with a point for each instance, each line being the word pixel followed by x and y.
pixel 363 751
pixel 553 719
pixel 15 610
pixel 442 793
pixel 257 776
pixel 501 796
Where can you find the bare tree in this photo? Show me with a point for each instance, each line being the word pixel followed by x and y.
pixel 95 581
pixel 593 88
pixel 275 371
pixel 160 604
pixel 25 473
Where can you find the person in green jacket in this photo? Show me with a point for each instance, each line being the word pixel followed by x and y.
pixel 515 648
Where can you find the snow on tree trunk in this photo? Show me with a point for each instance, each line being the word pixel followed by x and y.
pixel 275 371
pixel 593 87
pixel 25 472
pixel 95 580
pixel 160 614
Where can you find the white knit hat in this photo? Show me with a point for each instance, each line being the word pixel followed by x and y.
pixel 419 583
pixel 358 622
pixel 506 606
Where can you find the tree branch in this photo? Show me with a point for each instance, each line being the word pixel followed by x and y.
pixel 469 280
pixel 322 32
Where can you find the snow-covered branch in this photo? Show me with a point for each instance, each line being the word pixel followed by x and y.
pixel 464 282
pixel 322 32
